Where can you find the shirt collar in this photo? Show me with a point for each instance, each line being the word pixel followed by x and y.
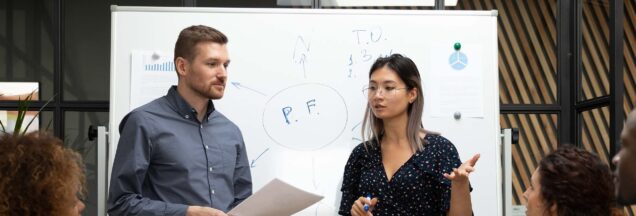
pixel 182 107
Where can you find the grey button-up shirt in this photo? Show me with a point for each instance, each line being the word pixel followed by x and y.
pixel 167 160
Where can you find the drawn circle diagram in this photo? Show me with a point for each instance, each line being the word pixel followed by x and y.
pixel 307 116
pixel 458 60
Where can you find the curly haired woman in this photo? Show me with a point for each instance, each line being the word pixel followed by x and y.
pixel 39 176
pixel 571 181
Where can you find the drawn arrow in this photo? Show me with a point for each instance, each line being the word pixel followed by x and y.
pixel 254 161
pixel 238 85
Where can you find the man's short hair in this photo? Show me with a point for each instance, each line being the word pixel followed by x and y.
pixel 191 36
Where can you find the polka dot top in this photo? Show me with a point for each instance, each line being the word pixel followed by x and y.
pixel 417 187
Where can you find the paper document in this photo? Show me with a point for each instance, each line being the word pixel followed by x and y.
pixel 275 198
pixel 151 74
pixel 459 81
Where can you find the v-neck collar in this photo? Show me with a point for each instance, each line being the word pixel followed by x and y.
pixel 378 159
pixel 386 176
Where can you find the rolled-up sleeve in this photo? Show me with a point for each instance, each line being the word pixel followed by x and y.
pixel 129 172
pixel 242 176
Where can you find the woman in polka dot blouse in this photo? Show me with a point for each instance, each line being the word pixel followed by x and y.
pixel 402 169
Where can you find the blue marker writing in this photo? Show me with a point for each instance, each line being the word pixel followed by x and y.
pixel 366 206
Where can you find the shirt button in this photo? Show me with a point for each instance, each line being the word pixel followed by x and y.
pixel 211 169
pixel 201 126
pixel 212 191
pixel 206 146
pixel 187 116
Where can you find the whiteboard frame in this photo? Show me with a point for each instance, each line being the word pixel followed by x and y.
pixel 119 108
pixel 116 8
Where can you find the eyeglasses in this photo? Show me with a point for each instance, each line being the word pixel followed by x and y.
pixel 387 91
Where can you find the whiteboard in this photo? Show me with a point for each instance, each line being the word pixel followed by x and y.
pixel 295 81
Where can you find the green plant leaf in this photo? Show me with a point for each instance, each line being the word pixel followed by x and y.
pixel 23 108
pixel 3 129
pixel 48 125
pixel 38 113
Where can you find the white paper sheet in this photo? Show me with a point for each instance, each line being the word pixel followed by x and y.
pixel 152 73
pixel 275 198
pixel 459 82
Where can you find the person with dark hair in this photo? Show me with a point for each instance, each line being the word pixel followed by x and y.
pixel 178 155
pixel 625 161
pixel 39 176
pixel 400 168
pixel 571 181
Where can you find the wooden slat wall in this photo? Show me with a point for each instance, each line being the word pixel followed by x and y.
pixel 594 50
pixel 629 53
pixel 527 49
pixel 594 76
pixel 594 132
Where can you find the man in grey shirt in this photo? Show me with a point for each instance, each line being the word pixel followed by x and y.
pixel 177 155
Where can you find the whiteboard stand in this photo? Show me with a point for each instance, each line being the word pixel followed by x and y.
pixel 102 154
pixel 102 186
pixel 509 137
pixel 507 170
